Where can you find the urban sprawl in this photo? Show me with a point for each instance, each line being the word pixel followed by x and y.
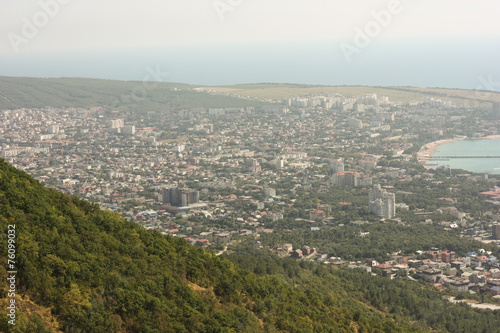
pixel 222 176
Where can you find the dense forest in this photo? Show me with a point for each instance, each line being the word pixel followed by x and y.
pixel 81 269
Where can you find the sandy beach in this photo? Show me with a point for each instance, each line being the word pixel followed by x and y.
pixel 430 148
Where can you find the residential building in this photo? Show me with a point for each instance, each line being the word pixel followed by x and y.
pixel 348 178
pixel 382 203
pixel 317 215
pixel 270 192
pixel 496 231
pixel 337 166
pixel 180 197
pixel 496 110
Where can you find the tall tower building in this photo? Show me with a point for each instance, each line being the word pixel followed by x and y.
pixel 337 166
pixel 496 231
pixel 54 129
pixel 382 203
pixel 180 197
pixel 128 130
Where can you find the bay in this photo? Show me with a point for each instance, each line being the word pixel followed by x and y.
pixel 486 147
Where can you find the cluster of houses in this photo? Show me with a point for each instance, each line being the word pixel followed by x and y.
pixel 474 273
pixel 126 162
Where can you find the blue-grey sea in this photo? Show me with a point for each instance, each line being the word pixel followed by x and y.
pixel 472 148
pixel 449 62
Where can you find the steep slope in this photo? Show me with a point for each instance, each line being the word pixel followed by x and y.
pixel 98 272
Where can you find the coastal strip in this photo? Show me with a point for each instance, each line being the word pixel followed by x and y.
pixel 431 148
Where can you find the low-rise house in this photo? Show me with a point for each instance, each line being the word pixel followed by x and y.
pixel 202 242
pixel 223 237
pixel 306 250
pixel 477 278
pixel 207 235
pixel 317 215
pixel 297 253
pixel 460 285
pixel 287 247
pixel 495 273
pixel 466 276
pixel 245 232
pixel 430 274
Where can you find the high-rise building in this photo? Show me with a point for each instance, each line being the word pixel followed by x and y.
pixel 382 203
pixel 116 123
pixel 496 110
pixel 270 192
pixel 54 129
pixel 279 163
pixel 337 166
pixel 128 130
pixel 496 231
pixel 179 148
pixel 348 178
pixel 180 197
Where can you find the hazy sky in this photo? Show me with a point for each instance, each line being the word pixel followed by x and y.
pixel 447 43
pixel 99 24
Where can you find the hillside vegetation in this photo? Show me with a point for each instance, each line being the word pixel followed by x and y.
pixel 81 269
pixel 98 272
pixel 23 92
pixel 124 95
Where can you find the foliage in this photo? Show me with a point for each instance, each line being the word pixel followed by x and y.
pixel 348 288
pixel 69 92
pixel 101 273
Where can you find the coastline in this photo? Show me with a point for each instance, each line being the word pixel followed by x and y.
pixel 429 149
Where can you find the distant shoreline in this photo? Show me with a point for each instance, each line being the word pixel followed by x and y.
pixel 429 149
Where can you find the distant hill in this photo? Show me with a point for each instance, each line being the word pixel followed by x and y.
pixel 16 92
pixel 23 92
pixel 278 91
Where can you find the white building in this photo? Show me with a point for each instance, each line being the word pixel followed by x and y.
pixel 116 123
pixel 382 203
pixel 179 148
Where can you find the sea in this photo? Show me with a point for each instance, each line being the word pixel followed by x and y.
pixel 450 62
pixel 483 147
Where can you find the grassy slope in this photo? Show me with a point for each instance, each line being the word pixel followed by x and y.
pixel 401 94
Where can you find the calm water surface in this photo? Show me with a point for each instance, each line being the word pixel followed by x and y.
pixel 472 148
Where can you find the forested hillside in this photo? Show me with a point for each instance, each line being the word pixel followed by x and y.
pixel 124 95
pixel 100 273
pixel 81 269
